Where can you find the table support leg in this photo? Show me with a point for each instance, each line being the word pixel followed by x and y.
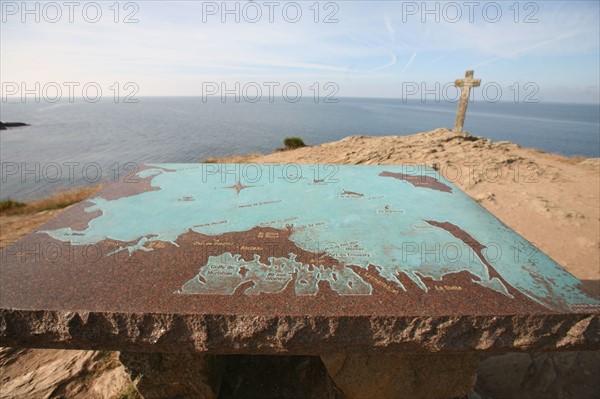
pixel 174 375
pixel 414 376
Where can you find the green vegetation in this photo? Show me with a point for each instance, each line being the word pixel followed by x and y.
pixel 292 143
pixel 106 360
pixel 130 392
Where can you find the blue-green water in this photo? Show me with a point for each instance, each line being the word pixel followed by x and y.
pixel 68 144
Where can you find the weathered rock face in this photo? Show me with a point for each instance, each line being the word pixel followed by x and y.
pixel 168 375
pixel 38 373
pixel 403 376
pixel 49 373
pixel 231 334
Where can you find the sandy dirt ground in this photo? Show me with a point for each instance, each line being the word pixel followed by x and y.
pixel 552 201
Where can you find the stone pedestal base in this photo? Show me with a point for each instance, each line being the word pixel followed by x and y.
pixel 174 375
pixel 397 376
pixel 393 376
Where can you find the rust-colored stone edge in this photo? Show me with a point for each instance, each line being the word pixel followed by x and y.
pixel 246 334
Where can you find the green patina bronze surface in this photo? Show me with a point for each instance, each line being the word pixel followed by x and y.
pixel 403 221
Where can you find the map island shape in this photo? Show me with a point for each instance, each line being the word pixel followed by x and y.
pixel 286 240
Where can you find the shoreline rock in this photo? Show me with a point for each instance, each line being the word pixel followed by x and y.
pixel 6 125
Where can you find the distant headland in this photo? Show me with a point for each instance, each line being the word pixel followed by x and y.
pixel 5 125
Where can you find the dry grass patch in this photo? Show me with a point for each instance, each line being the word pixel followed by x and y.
pixel 58 200
pixel 234 158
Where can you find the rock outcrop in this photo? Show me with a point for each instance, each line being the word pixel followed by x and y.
pixel 5 125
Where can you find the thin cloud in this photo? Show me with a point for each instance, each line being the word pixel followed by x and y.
pixel 412 58
pixel 389 64
pixel 526 49
pixel 390 28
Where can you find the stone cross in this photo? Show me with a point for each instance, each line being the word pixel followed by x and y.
pixel 465 85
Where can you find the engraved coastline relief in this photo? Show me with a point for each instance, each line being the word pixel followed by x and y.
pixel 227 273
pixel 368 211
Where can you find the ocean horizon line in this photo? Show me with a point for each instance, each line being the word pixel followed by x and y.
pixel 308 98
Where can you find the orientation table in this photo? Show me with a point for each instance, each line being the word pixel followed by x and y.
pixel 377 269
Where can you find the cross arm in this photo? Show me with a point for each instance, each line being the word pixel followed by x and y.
pixel 467 82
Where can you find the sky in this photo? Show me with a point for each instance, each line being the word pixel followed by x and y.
pixel 544 51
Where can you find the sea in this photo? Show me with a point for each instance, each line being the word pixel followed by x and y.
pixel 71 144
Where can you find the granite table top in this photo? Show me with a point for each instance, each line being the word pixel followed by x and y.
pixel 233 258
